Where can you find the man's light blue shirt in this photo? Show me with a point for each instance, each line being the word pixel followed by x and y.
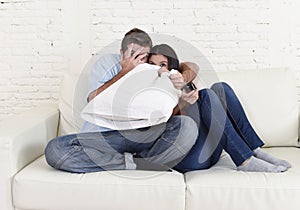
pixel 105 68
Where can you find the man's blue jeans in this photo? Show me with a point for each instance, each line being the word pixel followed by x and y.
pixel 164 144
pixel 222 124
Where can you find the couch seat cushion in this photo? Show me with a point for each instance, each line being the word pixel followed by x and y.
pixel 38 186
pixel 222 187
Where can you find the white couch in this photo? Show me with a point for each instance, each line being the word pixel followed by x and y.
pixel 28 183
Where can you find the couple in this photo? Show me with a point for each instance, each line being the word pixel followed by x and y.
pixel 203 123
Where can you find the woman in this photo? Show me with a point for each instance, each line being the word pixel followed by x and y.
pixel 221 121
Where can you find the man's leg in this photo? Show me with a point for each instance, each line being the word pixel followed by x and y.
pixel 88 152
pixel 112 150
pixel 173 144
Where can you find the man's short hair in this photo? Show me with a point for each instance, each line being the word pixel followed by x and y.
pixel 136 36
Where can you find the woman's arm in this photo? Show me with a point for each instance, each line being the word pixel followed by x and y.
pixel 185 100
pixel 189 71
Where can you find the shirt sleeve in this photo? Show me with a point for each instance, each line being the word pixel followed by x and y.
pixel 105 68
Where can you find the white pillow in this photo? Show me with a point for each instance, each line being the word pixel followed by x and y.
pixel 139 99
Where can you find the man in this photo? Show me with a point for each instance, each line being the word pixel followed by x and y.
pixel 97 148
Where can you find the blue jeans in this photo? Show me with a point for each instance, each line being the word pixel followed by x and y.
pixel 222 124
pixel 164 144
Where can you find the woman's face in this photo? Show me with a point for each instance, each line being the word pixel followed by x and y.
pixel 159 60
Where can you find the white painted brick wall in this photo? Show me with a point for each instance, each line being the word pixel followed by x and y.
pixel 39 39
pixel 29 54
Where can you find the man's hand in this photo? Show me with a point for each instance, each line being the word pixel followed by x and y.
pixel 131 58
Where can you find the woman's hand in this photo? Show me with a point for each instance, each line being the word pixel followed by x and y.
pixel 190 97
pixel 162 70
pixel 176 78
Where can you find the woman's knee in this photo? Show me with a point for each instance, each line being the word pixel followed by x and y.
pixel 221 86
pixel 207 96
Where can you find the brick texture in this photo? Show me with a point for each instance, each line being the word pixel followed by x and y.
pixel 31 61
pixel 35 46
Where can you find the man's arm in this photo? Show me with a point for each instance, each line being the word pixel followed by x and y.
pixel 128 62
pixel 94 93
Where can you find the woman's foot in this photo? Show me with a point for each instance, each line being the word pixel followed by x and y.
pixel 254 164
pixel 259 153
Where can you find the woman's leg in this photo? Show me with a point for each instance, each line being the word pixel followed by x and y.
pixel 218 130
pixel 238 118
pixel 237 115
pixel 171 146
pixel 201 156
pixel 215 132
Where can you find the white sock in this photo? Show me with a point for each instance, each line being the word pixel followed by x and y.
pixel 254 164
pixel 259 153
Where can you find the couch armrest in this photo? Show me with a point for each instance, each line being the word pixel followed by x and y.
pixel 23 138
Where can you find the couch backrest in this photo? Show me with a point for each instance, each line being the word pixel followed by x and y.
pixel 72 100
pixel 269 97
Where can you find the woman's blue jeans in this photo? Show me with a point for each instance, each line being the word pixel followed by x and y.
pixel 164 144
pixel 222 124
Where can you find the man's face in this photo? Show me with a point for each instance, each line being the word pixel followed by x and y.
pixel 136 51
